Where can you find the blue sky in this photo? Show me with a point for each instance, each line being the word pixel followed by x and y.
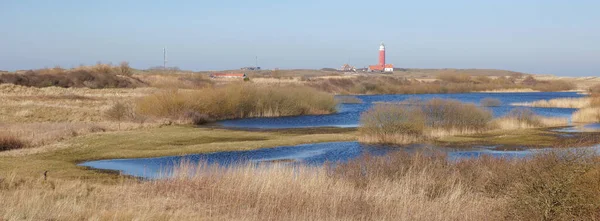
pixel 545 36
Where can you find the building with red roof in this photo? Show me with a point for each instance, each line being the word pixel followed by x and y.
pixel 382 66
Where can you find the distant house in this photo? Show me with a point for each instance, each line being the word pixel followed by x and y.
pixel 347 68
pixel 229 75
pixel 382 68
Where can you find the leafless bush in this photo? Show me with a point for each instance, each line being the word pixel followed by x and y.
pixel 415 121
pixel 125 69
pixel 10 142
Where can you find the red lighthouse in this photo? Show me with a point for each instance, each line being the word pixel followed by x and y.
pixel 382 55
pixel 382 66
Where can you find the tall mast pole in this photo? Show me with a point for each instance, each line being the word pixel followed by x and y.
pixel 165 58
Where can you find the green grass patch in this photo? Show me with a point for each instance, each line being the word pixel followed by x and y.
pixel 157 142
pixel 531 138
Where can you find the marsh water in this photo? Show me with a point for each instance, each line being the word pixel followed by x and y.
pixel 308 154
pixel 348 115
pixel 335 152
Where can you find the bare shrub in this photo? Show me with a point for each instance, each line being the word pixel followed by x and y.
pixel 529 81
pixel 556 186
pixel 71 78
pixel 414 121
pixel 102 68
pixel 10 142
pixel 197 118
pixel 490 102
pixel 554 85
pixel 98 76
pixel 453 114
pixel 125 69
pixel 595 89
pixel 525 115
pixel 482 79
pixel 454 77
pixel 120 112
pixel 389 123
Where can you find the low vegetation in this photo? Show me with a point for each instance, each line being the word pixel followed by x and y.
pixel 490 102
pixel 595 100
pixel 97 76
pixel 348 99
pixel 587 115
pixel 421 120
pixel 595 89
pixel 178 80
pixel 399 186
pixel 550 85
pixel 236 101
pixel 591 112
pixel 445 83
pixel 10 142
pixel 415 121
pixel 558 103
pixel 523 118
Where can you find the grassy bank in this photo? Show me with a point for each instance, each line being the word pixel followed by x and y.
pixel 60 158
pixel 236 101
pixel 554 186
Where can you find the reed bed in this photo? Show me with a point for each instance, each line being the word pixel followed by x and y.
pixel 236 101
pixel 522 118
pixel 558 103
pixel 415 121
pixel 587 115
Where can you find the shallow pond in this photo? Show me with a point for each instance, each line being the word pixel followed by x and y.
pixel 348 114
pixel 308 154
